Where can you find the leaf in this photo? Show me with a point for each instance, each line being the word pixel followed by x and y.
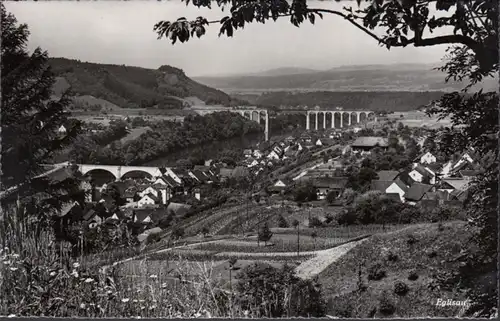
pixel 311 18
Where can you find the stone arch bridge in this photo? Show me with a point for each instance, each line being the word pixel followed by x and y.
pixel 119 171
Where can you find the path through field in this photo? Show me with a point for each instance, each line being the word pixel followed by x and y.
pixel 323 259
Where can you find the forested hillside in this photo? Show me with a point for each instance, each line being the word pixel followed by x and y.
pixel 165 137
pixel 366 100
pixel 135 87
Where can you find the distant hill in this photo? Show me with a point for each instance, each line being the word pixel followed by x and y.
pixel 402 77
pixel 349 100
pixel 134 87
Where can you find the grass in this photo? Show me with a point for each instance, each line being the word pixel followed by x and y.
pixel 339 280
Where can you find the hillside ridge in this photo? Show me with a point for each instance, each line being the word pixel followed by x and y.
pixel 135 87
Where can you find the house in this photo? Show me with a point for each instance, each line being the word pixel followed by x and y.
pixel 274 155
pixel 62 130
pixel 247 152
pixel 387 175
pixel 451 184
pixel 416 192
pixel 257 154
pixel 290 139
pixel 306 138
pixel 252 162
pixel 318 142
pixel 148 200
pixel 393 187
pixel 147 189
pixel 469 174
pixel 199 176
pixel 280 185
pixel 367 143
pixel 426 158
pixel 325 185
pixel 422 175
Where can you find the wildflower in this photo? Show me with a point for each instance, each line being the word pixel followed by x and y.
pixel 13 268
pixel 125 300
pixel 52 273
pixel 82 306
pixel 15 255
pixel 109 292
pixel 76 265
pixel 11 316
pixel 89 280
pixel 153 276
pixel 6 262
pixel 135 301
pixel 74 273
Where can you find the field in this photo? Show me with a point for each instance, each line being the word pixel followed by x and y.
pixel 419 119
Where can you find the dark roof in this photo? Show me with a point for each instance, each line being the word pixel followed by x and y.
pixel 417 191
pixel 469 173
pixel 380 185
pixel 199 175
pixel 202 168
pixel 421 169
pixel 170 181
pixel 178 208
pixel 387 175
pixel 370 141
pixel 435 167
pixel 152 196
pixel 130 192
pixel 61 173
pixel 459 184
pixel 405 178
pixel 401 185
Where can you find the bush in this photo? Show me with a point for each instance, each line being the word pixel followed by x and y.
pixel 410 240
pixel 282 222
pixel 328 218
pixel 153 238
pixel 375 272
pixel 432 254
pixel 440 227
pixel 400 288
pixel 392 257
pixel 385 305
pixel 412 276
pixel 315 222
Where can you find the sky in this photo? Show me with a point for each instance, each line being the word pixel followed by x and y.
pixel 118 32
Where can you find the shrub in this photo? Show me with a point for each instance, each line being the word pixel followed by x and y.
pixel 412 276
pixel 315 222
pixel 153 238
pixel 410 240
pixel 375 272
pixel 440 227
pixel 392 257
pixel 282 222
pixel 432 254
pixel 400 288
pixel 328 218
pixel 385 305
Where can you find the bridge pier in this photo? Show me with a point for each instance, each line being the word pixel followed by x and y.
pixel 341 113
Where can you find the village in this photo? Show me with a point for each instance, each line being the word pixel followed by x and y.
pixel 315 158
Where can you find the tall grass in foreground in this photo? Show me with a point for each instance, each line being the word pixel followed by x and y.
pixel 38 278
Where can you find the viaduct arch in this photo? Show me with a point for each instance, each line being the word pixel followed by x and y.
pixel 119 171
pixel 353 117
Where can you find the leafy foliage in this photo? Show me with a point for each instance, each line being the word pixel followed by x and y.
pixel 267 291
pixel 165 137
pixel 265 233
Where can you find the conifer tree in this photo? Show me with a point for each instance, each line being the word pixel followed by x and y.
pixel 31 117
